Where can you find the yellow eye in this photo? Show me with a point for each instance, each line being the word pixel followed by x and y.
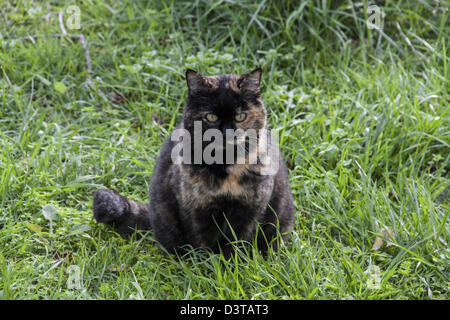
pixel 211 117
pixel 240 117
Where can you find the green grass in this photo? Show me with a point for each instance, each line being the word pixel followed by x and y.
pixel 363 117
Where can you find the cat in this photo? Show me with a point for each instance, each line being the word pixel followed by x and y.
pixel 209 205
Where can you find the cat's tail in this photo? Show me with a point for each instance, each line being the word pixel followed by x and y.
pixel 123 214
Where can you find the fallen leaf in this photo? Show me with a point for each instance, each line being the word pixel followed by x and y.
pixel 389 234
pixel 60 87
pixel 163 42
pixel 33 227
pixel 157 119
pixel 62 256
pixel 290 165
pixel 383 235
pixel 377 244
pixel 118 98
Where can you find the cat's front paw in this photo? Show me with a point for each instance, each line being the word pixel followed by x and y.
pixel 108 206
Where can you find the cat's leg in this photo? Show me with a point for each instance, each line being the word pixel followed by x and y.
pixel 236 231
pixel 123 214
pixel 278 219
pixel 166 220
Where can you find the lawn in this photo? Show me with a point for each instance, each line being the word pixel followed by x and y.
pixel 362 115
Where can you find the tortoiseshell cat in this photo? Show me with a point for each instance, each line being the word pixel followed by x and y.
pixel 209 205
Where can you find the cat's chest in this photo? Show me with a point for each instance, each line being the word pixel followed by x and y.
pixel 237 185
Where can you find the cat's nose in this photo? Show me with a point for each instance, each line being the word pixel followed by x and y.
pixel 226 126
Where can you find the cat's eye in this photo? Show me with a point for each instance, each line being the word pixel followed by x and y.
pixel 211 117
pixel 240 117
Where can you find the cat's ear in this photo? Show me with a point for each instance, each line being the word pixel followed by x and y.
pixel 195 81
pixel 250 81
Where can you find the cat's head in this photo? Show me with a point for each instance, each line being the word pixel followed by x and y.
pixel 225 101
